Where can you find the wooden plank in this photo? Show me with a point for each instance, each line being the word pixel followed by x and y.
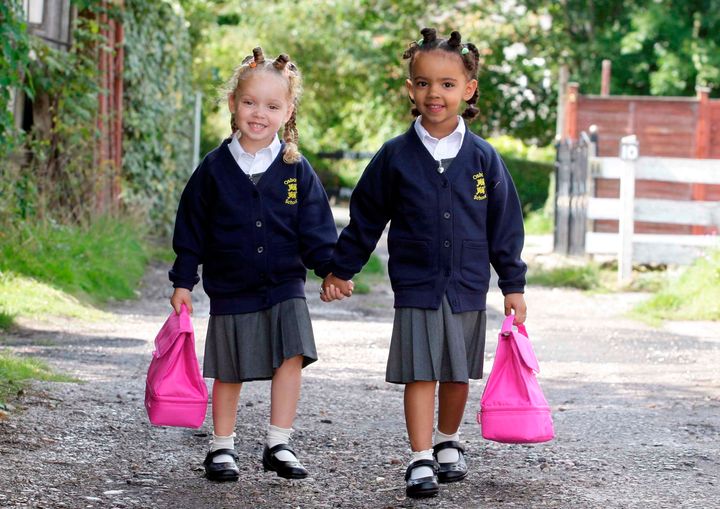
pixel 649 248
pixel 668 169
pixel 611 226
pixel 703 213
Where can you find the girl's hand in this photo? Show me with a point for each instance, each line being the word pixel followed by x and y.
pixel 516 302
pixel 181 296
pixel 334 288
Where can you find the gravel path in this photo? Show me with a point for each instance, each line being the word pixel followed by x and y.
pixel 636 410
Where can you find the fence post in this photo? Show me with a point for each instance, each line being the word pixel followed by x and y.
pixel 629 152
pixel 197 124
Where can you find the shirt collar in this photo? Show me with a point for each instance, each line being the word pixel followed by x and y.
pixel 423 134
pixel 238 151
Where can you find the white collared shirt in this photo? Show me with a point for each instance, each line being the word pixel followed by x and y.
pixel 444 148
pixel 258 163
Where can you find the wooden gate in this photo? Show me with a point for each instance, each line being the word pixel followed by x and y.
pixel 571 195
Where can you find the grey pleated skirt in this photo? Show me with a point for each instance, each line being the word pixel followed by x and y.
pixel 435 344
pixel 251 346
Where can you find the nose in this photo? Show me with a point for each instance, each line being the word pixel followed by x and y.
pixel 434 91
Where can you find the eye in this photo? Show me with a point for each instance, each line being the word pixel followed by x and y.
pixel 448 84
pixel 274 107
pixel 247 102
pixel 421 83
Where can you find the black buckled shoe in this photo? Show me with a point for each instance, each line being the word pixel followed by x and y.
pixel 451 472
pixel 286 469
pixel 227 471
pixel 424 486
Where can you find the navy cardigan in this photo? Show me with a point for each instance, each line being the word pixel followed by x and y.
pixel 445 229
pixel 253 241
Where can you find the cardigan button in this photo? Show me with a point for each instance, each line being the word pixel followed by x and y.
pixel 258 223
pixel 446 243
pixel 445 183
pixel 446 215
pixel 260 249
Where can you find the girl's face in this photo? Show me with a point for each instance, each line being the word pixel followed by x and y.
pixel 438 85
pixel 261 105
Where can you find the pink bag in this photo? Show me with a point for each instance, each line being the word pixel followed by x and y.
pixel 175 392
pixel 513 409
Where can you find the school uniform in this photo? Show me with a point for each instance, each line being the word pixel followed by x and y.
pixel 446 228
pixel 255 224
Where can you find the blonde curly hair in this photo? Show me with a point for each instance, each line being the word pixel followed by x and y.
pixel 289 71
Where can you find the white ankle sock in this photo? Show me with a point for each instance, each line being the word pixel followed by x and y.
pixel 276 436
pixel 221 442
pixel 447 455
pixel 419 472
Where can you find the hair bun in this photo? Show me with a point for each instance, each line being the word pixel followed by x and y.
pixel 455 39
pixel 258 55
pixel 281 61
pixel 429 35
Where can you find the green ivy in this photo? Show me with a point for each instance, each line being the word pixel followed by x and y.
pixel 14 61
pixel 158 115
pixel 53 177
pixel 15 53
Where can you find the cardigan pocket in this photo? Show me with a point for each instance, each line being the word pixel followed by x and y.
pixel 475 262
pixel 285 261
pixel 410 263
pixel 228 271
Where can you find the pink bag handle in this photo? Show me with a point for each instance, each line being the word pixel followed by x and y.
pixel 184 325
pixel 507 326
pixel 521 340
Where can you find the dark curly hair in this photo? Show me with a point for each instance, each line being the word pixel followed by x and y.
pixel 453 44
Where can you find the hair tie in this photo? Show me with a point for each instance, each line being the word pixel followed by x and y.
pixel 465 51
pixel 420 42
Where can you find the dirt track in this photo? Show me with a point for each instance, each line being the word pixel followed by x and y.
pixel 637 416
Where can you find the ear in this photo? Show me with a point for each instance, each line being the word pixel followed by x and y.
pixel 470 88
pixel 231 102
pixel 409 86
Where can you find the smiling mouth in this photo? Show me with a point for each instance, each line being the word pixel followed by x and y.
pixel 256 127
pixel 434 108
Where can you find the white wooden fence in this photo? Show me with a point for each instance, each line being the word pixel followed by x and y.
pixel 653 248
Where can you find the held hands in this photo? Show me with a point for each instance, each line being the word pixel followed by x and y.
pixel 516 302
pixel 334 288
pixel 181 296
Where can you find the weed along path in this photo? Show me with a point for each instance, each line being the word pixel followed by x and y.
pixel 636 410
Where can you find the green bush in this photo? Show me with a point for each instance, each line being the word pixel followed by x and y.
pixel 158 116
pixel 532 180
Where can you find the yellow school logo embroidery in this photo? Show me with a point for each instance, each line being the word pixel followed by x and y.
pixel 479 179
pixel 291 191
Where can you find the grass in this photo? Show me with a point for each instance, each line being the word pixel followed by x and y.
pixel 25 296
pixel 372 272
pixel 49 269
pixel 693 295
pixel 98 263
pixel 583 277
pixel 15 372
pixel 6 319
